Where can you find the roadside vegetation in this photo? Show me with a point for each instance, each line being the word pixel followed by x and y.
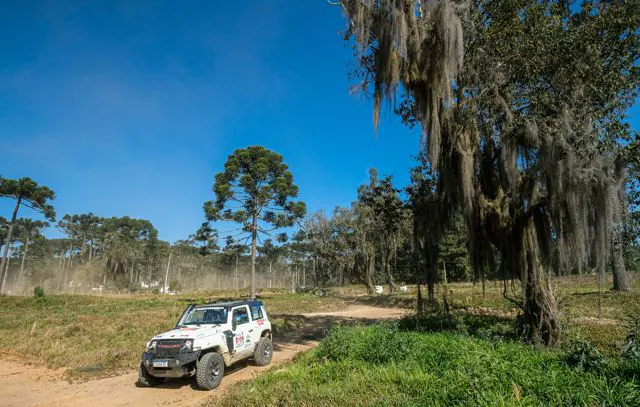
pixel 393 365
pixel 94 336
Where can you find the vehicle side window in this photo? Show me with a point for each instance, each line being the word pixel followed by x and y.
pixel 241 316
pixel 256 311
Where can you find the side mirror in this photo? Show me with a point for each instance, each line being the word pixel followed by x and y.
pixel 234 324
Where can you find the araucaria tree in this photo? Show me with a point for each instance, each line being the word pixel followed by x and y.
pixel 255 190
pixel 522 106
pixel 26 192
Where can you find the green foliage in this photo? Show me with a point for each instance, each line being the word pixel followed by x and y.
pixel 354 367
pixel 38 292
pixel 261 184
pixel 30 194
pixel 584 356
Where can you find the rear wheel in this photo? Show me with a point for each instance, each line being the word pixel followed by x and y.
pixel 209 371
pixel 146 379
pixel 264 351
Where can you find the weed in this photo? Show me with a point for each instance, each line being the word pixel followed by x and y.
pixel 38 292
pixel 584 356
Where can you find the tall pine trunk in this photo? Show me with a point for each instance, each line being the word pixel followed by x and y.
pixel 254 238
pixel 24 256
pixel 5 255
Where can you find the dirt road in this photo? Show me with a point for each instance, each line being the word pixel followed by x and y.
pixel 22 385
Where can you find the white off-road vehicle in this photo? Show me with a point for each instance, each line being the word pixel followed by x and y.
pixel 205 340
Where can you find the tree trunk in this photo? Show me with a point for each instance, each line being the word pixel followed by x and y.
pixel 540 309
pixel 621 281
pixel 24 256
pixel 5 256
pixel 315 277
pixel 236 282
pixel 6 265
pixel 369 270
pixel 445 301
pixel 166 275
pixel 387 266
pixel 254 238
pixel 419 304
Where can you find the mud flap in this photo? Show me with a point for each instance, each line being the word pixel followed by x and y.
pixel 229 336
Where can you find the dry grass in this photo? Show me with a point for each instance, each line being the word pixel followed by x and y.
pixel 93 336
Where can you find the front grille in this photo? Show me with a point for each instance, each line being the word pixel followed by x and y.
pixel 169 348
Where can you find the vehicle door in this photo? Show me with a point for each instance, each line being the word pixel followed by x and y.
pixel 241 327
pixel 257 321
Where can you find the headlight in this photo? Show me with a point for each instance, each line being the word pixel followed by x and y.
pixel 188 345
pixel 152 346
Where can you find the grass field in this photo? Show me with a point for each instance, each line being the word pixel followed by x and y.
pixel 386 365
pixel 95 336
pixel 472 358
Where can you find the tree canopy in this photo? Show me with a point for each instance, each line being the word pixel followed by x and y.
pixel 26 192
pixel 522 105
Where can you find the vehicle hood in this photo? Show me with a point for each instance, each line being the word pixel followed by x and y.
pixel 192 332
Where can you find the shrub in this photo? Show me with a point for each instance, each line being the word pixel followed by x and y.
pixel 380 343
pixel 584 356
pixel 38 292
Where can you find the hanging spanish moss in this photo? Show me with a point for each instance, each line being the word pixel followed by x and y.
pixel 510 132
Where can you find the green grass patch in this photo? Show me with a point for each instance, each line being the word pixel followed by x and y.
pixel 383 365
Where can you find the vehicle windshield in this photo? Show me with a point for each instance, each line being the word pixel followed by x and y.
pixel 206 315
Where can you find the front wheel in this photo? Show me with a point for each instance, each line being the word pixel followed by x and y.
pixel 209 371
pixel 146 379
pixel 264 351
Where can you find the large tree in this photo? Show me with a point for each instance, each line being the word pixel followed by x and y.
pixel 28 193
pixel 522 106
pixel 255 190
pixel 389 215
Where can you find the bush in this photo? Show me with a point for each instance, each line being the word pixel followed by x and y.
pixel 373 344
pixel 584 356
pixel 38 292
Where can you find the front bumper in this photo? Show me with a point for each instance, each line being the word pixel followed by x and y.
pixel 177 367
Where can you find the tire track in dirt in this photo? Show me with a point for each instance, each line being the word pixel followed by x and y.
pixel 23 385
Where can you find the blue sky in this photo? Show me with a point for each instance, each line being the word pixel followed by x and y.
pixel 130 108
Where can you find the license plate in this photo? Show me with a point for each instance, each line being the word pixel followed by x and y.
pixel 160 363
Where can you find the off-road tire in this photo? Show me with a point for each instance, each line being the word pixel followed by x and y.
pixel 209 371
pixel 146 379
pixel 263 352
